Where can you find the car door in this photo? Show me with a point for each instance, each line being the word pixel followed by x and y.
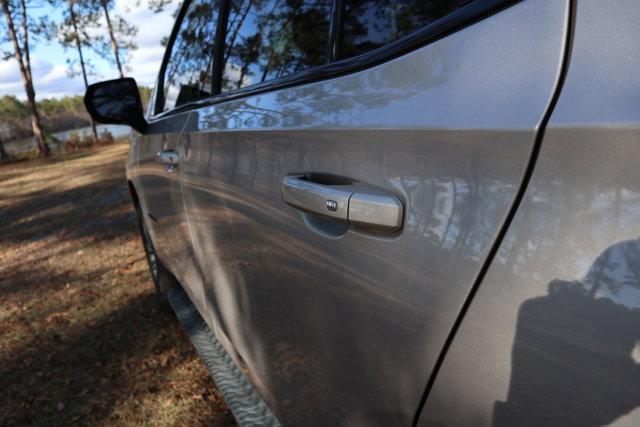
pixel 160 184
pixel 427 110
pixel 185 77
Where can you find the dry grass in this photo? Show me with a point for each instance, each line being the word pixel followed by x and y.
pixel 81 338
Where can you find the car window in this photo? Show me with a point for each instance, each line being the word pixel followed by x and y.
pixel 188 74
pixel 370 24
pixel 269 39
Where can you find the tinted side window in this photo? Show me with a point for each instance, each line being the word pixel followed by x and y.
pixel 370 24
pixel 188 75
pixel 269 39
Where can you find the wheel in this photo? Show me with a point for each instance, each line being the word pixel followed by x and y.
pixel 162 279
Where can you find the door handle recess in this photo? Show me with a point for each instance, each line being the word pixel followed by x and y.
pixel 168 158
pixel 357 205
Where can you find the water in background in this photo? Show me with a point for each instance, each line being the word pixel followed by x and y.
pixel 18 146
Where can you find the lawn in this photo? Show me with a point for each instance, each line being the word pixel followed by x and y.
pixel 82 340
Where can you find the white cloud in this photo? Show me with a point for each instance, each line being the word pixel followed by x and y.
pixel 10 73
pixel 233 72
pixel 49 79
pixel 144 64
pixel 151 27
pixel 57 83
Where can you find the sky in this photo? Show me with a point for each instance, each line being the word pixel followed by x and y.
pixel 48 59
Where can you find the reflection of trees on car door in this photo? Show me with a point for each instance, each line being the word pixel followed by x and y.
pixel 268 39
pixel 188 75
pixel 370 24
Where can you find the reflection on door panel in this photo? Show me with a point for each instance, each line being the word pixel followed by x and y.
pixel 162 200
pixel 352 325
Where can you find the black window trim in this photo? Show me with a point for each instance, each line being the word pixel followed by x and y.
pixel 448 24
pixel 218 47
pixel 158 103
pixel 335 30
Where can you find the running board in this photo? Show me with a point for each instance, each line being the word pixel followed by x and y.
pixel 247 406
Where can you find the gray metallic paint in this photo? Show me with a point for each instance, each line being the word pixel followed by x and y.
pixel 160 194
pixel 336 325
pixel 553 335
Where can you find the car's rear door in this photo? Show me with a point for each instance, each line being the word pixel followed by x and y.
pixel 343 323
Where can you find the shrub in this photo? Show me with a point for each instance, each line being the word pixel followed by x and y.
pixel 73 142
pixel 88 140
pixel 106 137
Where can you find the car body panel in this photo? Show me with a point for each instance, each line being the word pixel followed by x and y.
pixel 553 335
pixel 344 326
pixel 160 195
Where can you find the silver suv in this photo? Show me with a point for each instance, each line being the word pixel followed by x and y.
pixel 369 212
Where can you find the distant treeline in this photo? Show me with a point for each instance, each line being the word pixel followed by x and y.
pixel 57 115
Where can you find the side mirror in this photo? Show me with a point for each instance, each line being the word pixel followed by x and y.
pixel 116 102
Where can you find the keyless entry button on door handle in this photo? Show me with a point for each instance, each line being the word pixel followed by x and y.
pixel 168 158
pixel 357 205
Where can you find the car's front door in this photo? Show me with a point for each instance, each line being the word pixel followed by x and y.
pixel 159 182
pixel 186 76
pixel 343 323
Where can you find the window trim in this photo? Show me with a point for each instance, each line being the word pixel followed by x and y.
pixel 158 102
pixel 335 31
pixel 218 47
pixel 448 24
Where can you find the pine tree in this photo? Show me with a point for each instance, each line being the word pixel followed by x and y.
pixel 17 29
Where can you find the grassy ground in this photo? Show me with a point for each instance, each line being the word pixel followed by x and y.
pixel 81 338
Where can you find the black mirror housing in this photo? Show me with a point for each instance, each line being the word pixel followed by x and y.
pixel 116 102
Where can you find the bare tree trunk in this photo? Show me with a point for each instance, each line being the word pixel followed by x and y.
pixel 114 43
pixel 27 54
pixel 24 63
pixel 36 124
pixel 3 153
pixel 84 71
pixel 31 94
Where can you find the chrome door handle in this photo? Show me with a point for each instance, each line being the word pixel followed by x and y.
pixel 357 205
pixel 168 158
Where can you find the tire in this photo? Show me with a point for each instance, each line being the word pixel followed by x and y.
pixel 163 281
